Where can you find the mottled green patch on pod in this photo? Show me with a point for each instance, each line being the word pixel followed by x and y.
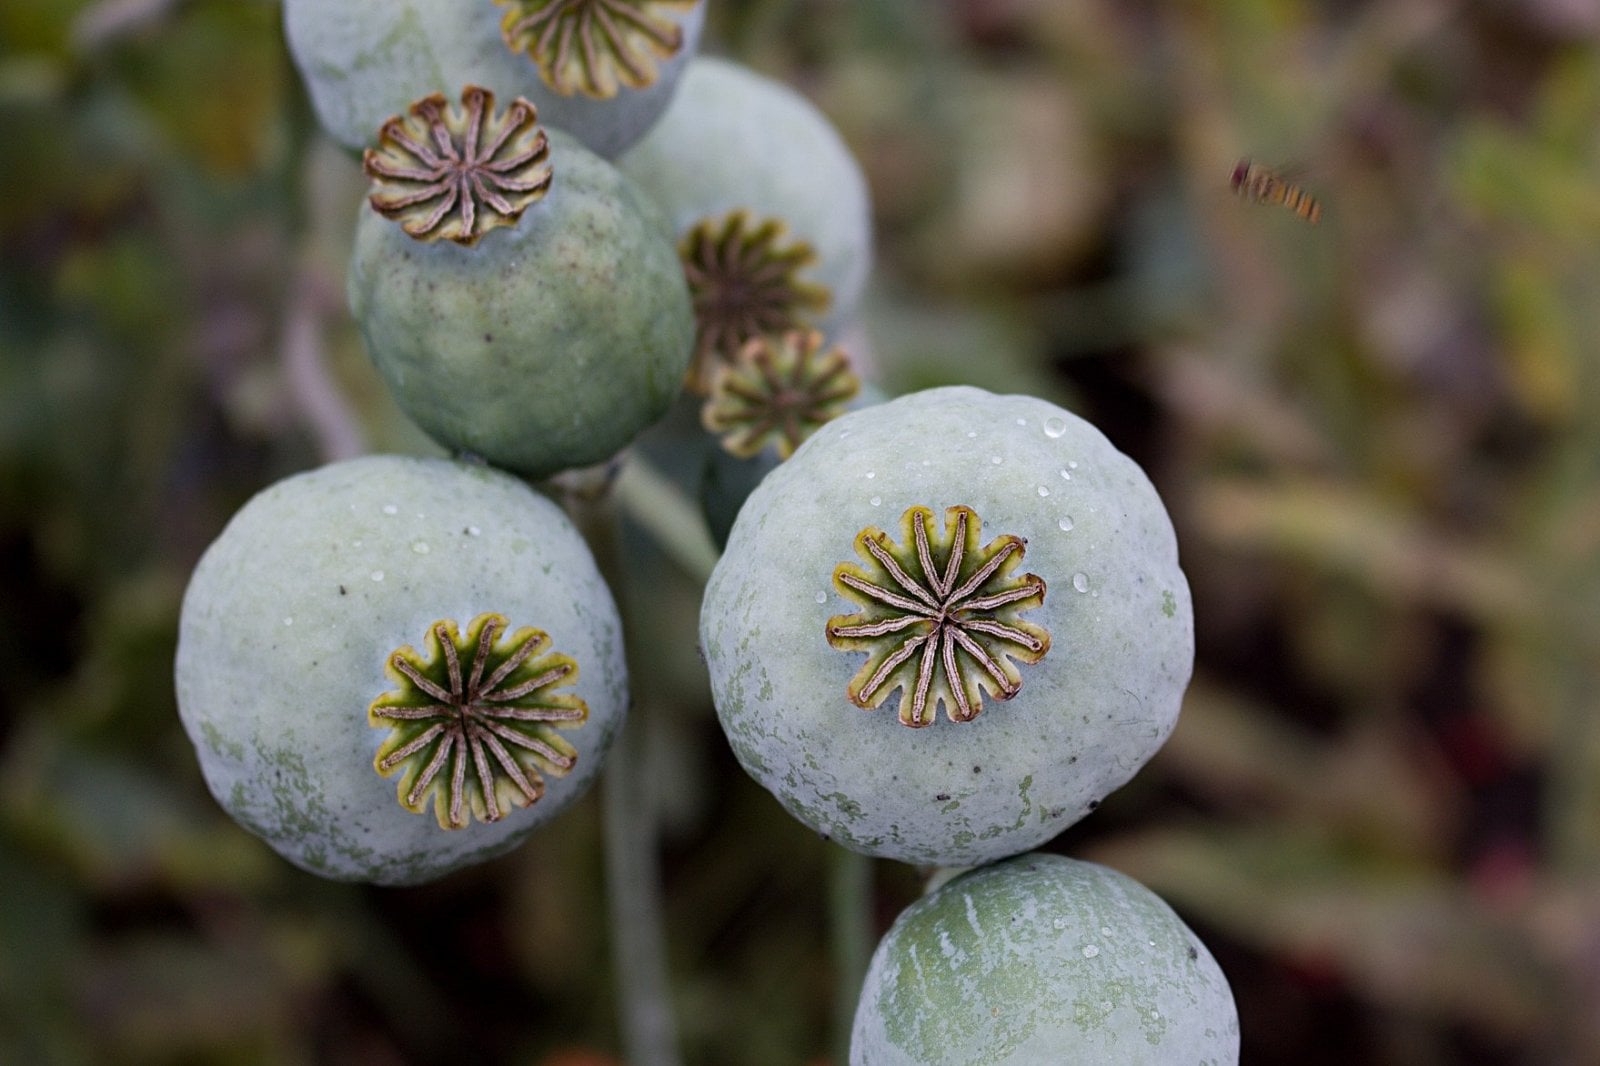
pixel 472 722
pixel 744 282
pixel 1043 959
pixel 549 345
pixel 449 174
pixel 594 47
pixel 777 392
pixel 939 617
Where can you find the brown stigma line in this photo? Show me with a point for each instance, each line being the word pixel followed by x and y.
pixel 451 174
pixel 743 281
pixel 778 390
pixel 482 708
pixel 594 46
pixel 939 617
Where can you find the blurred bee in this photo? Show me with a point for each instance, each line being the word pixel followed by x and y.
pixel 1261 185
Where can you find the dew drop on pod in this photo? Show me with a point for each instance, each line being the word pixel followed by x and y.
pixel 520 299
pixel 393 667
pixel 770 209
pixel 1043 959
pixel 948 626
pixel 602 70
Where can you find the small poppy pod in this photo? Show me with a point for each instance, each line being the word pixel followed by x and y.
pixel 544 342
pixel 770 209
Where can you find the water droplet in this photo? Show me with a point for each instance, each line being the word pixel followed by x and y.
pixel 355 544
pixel 1072 464
pixel 421 547
pixel 995 459
pixel 876 500
pixel 377 575
pixel 288 621
pixel 1022 421
pixel 1105 931
pixel 1066 474
pixel 473 531
pixel 1043 491
pixel 927 462
pixel 1065 524
pixel 1152 943
pixel 1054 427
pixel 390 508
pixel 1080 582
pixel 1060 923
pixel 871 474
pixel 1090 951
pixel 972 434
pixel 822 597
pixel 1155 1016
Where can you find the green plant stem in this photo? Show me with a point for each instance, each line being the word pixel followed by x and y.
pixel 633 881
pixel 850 938
pixel 670 518
pixel 638 940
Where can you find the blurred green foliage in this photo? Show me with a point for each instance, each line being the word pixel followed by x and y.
pixel 1379 437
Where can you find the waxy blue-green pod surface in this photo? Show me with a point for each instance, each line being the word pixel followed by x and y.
pixel 1042 960
pixel 937 717
pixel 289 686
pixel 734 140
pixel 364 60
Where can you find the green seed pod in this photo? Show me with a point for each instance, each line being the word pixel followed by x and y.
pixel 770 208
pixel 1043 959
pixel 987 570
pixel 602 70
pixel 729 479
pixel 380 661
pixel 552 340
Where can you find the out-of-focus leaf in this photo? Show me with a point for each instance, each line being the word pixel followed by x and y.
pixel 119 824
pixel 920 347
pixel 1386 790
pixel 1395 556
pixel 213 82
pixel 1401 932
pixel 165 997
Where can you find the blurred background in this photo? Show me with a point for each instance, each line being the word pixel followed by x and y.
pixel 1379 437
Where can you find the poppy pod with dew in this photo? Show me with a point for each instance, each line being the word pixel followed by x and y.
pixel 948 626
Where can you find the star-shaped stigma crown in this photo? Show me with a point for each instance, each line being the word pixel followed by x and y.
pixel 779 391
pixel 744 282
pixel 594 46
pixel 939 617
pixel 473 723
pixel 448 174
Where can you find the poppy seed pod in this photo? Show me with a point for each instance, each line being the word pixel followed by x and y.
pixel 948 626
pixel 1043 959
pixel 602 71
pixel 392 668
pixel 544 343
